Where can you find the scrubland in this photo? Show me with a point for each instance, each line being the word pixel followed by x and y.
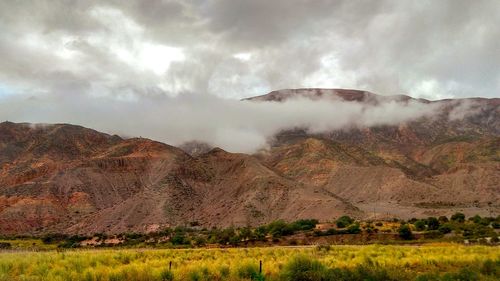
pixel 440 261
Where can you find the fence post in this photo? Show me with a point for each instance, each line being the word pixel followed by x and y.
pixel 170 266
pixel 260 266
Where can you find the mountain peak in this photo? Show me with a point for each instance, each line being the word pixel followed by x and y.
pixel 349 95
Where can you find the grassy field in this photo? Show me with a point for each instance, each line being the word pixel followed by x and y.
pixel 375 262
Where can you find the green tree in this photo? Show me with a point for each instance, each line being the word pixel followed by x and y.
pixel 405 232
pixel 445 228
pixel 419 225
pixel 432 223
pixel 344 221
pixel 354 229
pixel 458 217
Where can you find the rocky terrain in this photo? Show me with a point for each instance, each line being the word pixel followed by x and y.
pixel 66 178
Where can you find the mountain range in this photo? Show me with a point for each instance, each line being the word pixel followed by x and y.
pixel 70 179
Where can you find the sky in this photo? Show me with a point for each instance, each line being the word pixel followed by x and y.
pixel 78 61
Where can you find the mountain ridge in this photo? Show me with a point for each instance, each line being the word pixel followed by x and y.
pixel 68 178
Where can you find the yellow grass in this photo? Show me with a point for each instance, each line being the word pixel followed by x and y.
pixel 226 264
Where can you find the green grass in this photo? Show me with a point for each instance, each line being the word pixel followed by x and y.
pixel 375 262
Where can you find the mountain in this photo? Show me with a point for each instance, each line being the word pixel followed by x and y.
pixel 434 165
pixel 67 178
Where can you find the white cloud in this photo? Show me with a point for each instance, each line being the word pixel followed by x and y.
pixel 243 56
pixel 237 126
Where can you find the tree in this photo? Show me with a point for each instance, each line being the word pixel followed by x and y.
pixel 246 234
pixel 445 228
pixel 179 239
pixel 443 219
pixel 405 232
pixel 305 224
pixel 280 228
pixel 419 225
pixel 432 223
pixel 458 217
pixel 260 233
pixel 344 221
pixel 354 229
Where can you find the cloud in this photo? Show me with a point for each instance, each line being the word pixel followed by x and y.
pixel 237 126
pixel 429 49
pixel 132 66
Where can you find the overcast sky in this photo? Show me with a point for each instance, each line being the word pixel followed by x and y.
pixel 236 49
pixel 138 67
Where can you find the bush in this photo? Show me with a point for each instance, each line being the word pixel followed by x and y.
pixel 53 237
pixel 445 228
pixel 200 241
pixel 433 234
pixel 302 268
pixel 491 268
pixel 249 271
pixel 305 224
pixel 166 275
pixel 179 239
pixel 458 217
pixel 419 225
pixel 280 228
pixel 432 223
pixel 331 231
pixel 344 221
pixel 363 273
pixel 428 277
pixel 405 232
pixel 354 229
pixel 464 274
pixel 443 219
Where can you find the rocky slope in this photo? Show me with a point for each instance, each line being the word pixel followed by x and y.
pixel 431 166
pixel 66 178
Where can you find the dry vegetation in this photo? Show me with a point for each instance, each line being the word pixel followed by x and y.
pixel 375 262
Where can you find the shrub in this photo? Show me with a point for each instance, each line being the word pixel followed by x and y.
pixel 260 233
pixel 433 234
pixel 354 229
pixel 344 221
pixel 179 239
pixel 53 237
pixel 249 271
pixel 458 217
pixel 363 273
pixel 445 228
pixel 280 228
pixel 246 234
pixel 305 224
pixel 491 268
pixel 200 241
pixel 405 232
pixel 428 277
pixel 419 225
pixel 302 268
pixel 432 223
pixel 166 275
pixel 464 274
pixel 443 219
